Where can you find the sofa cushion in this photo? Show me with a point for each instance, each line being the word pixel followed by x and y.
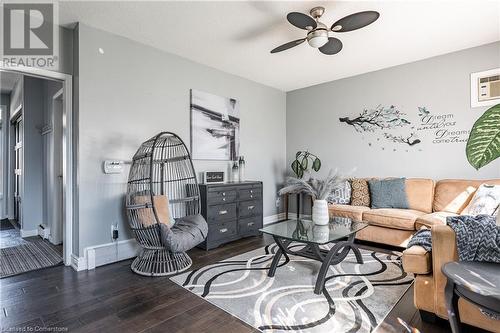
pixel 352 212
pixel 428 220
pixel 420 194
pixel 388 193
pixel 485 201
pixel 403 219
pixel 341 194
pixel 360 194
pixel 417 260
pixel 453 195
pixel 146 215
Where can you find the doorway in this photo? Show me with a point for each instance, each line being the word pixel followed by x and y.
pixel 37 175
pixel 17 126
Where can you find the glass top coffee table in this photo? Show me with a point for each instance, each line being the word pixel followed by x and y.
pixel 340 231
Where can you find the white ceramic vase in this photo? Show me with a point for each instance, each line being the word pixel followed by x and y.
pixel 320 212
pixel 321 233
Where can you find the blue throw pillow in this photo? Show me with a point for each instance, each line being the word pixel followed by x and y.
pixel 388 193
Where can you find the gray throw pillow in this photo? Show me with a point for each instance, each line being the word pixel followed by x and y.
pixel 388 193
pixel 341 194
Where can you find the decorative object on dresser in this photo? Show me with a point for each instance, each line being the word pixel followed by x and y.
pixel 232 210
pixel 163 206
pixel 214 177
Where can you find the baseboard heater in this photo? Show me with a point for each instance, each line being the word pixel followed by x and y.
pixel 43 231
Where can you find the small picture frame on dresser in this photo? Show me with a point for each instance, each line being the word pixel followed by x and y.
pixel 214 177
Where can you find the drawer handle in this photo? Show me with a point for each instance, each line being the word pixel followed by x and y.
pixel 223 230
pixel 222 212
pixel 250 224
pixel 251 207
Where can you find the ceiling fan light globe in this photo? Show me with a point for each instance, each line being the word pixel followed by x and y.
pixel 317 38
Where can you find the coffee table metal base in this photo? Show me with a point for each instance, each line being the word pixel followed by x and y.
pixel 335 255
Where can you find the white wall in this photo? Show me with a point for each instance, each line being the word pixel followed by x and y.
pixel 132 92
pixel 442 84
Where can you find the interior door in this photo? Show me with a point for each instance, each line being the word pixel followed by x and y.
pixel 18 168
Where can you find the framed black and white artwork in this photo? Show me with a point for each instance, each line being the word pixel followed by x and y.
pixel 215 127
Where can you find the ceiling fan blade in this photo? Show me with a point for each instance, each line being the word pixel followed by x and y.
pixel 288 45
pixel 301 20
pixel 333 46
pixel 355 21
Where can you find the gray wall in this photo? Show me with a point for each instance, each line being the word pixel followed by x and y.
pixel 4 149
pixel 442 84
pixel 33 114
pixel 130 93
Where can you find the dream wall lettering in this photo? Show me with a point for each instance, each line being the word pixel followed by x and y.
pixel 388 126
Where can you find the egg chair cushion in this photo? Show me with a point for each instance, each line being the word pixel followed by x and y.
pixel 187 232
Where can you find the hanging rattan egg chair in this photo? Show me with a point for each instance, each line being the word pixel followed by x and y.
pixel 163 206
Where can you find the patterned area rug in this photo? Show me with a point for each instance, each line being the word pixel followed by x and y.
pixel 28 257
pixel 357 297
pixel 11 238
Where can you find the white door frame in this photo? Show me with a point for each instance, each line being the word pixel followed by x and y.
pixel 69 171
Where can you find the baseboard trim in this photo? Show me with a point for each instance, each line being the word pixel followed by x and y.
pixel 78 263
pixel 274 218
pixel 95 256
pixel 29 233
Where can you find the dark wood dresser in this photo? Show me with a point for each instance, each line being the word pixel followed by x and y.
pixel 232 211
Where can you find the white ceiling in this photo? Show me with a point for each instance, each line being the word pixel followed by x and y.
pixel 8 81
pixel 236 37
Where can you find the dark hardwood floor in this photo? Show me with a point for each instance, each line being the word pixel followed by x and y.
pixel 113 299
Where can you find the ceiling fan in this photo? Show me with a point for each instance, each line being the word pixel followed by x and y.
pixel 319 35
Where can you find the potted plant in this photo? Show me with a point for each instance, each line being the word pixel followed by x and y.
pixel 318 189
pixel 302 161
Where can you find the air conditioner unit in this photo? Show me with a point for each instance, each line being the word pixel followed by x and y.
pixel 485 88
pixel 489 88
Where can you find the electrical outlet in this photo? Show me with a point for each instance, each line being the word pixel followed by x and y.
pixel 278 201
pixel 114 231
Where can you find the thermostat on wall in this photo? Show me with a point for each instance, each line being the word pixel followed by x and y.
pixel 113 166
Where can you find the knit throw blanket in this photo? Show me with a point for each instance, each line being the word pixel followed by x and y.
pixel 478 238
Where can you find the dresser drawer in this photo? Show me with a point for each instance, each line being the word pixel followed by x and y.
pixel 249 226
pixel 222 230
pixel 221 196
pixel 249 208
pixel 218 213
pixel 250 193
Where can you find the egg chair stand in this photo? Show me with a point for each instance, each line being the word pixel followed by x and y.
pixel 163 206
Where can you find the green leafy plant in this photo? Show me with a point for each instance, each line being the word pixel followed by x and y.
pixel 483 145
pixel 302 161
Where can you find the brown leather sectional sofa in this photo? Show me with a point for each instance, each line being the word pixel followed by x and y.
pixel 430 203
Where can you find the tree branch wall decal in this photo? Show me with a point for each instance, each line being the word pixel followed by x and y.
pixel 409 140
pixel 379 118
